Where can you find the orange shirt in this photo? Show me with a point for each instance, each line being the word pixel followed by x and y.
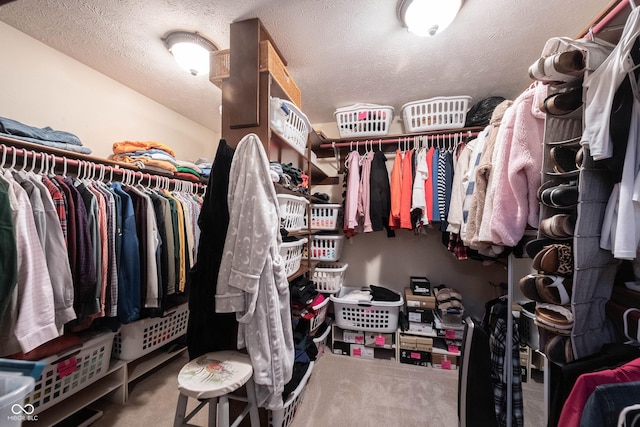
pixel 396 191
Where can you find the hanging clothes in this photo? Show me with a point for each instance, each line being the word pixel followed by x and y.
pixel 445 182
pixel 364 193
pixel 435 205
pixel 477 218
pixel 458 190
pixel 52 243
pixel 380 194
pixel 396 191
pixel 418 201
pixel 517 168
pixel 30 318
pixel 405 194
pixel 208 330
pixel 428 186
pixel 252 282
pixel 129 267
pixel 8 251
pixel 353 188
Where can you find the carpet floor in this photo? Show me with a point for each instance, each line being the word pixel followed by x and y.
pixel 341 391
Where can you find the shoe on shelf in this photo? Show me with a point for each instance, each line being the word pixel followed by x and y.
pixel 560 67
pixel 561 196
pixel 555 259
pixel 564 159
pixel 559 226
pixel 562 103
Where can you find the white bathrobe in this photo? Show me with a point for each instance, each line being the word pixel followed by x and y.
pixel 252 281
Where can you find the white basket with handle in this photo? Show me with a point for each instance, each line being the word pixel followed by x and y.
pixel 329 276
pixel 363 120
pixel 293 212
pixel 442 112
pixel 291 123
pixel 291 253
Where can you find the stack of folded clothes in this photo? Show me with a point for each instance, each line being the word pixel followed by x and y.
pixel 205 166
pixel 151 155
pixel 187 170
pixel 43 136
pixel 157 157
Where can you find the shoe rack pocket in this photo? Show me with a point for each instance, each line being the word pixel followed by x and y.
pixel 594 268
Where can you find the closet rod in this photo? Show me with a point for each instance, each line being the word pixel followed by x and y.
pixel 609 16
pixel 399 140
pixel 110 167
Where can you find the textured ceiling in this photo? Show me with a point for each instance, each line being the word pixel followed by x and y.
pixel 339 52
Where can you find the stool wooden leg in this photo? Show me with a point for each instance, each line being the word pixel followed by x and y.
pixel 178 421
pixel 223 411
pixel 253 404
pixel 213 411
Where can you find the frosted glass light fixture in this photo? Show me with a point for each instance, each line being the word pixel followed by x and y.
pixel 190 50
pixel 427 17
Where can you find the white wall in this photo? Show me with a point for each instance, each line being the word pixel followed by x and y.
pixel 43 87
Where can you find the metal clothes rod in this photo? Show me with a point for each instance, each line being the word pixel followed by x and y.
pixel 620 7
pixel 88 169
pixel 399 140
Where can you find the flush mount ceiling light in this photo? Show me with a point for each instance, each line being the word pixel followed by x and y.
pixel 427 17
pixel 190 50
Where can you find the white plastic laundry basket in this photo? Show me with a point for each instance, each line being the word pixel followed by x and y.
pixel 326 248
pixel 363 120
pixel 291 253
pixel 324 217
pixel 329 276
pixel 372 316
pixel 284 417
pixel 293 211
pixel 291 123
pixel 435 113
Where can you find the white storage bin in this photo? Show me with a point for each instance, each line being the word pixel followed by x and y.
pixel 141 337
pixel 326 248
pixel 321 340
pixel 321 314
pixel 293 210
pixel 291 253
pixel 283 417
pixel 435 113
pixel 363 120
pixel 291 123
pixel 13 389
pixel 324 217
pixel 67 373
pixel 329 276
pixel 373 316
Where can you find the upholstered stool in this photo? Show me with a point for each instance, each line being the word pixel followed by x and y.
pixel 212 378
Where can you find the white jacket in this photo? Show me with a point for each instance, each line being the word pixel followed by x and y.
pixel 252 281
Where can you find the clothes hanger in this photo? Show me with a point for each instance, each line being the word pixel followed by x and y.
pixel 4 156
pixel 12 168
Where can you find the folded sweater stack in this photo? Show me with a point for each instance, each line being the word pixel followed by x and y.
pixel 155 156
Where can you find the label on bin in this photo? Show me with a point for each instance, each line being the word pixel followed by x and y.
pixel 450 334
pixel 67 367
pixel 359 339
pixel 452 348
pixel 357 352
pixel 380 340
pixel 446 364
pixel 415 355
